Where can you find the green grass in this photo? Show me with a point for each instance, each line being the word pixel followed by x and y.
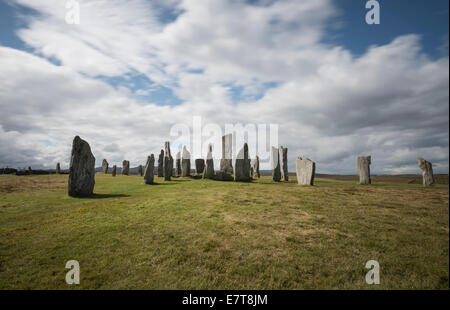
pixel 203 234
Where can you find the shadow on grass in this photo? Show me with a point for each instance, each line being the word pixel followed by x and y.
pixel 102 196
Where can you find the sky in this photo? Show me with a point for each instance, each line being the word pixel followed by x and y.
pixel 130 71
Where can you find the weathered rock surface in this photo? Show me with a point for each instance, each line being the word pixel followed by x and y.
pixel 275 164
pixel 242 165
pixel 427 171
pixel 82 169
pixel 199 166
pixel 105 166
pixel 208 173
pixel 226 165
pixel 114 169
pixel 168 162
pixel 58 169
pixel 363 167
pixel 284 163
pixel 256 174
pixel 306 170
pixel 140 170
pixel 149 169
pixel 125 167
pixel 178 164
pixel 185 163
pixel 161 164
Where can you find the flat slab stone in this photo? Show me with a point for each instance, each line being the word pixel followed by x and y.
pixel 125 167
pixel 114 169
pixel 275 164
pixel 242 165
pixel 256 174
pixel 82 169
pixel 149 170
pixel 185 162
pixel 306 170
pixel 199 166
pixel 105 166
pixel 363 168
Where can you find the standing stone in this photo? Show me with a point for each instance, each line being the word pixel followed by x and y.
pixel 199 166
pixel 275 163
pixel 284 164
pixel 185 163
pixel 178 164
pixel 105 166
pixel 226 165
pixel 256 173
pixel 242 165
pixel 82 169
pixel 208 173
pixel 125 167
pixel 114 169
pixel 58 169
pixel 251 172
pixel 168 162
pixel 161 164
pixel 427 174
pixel 363 167
pixel 306 170
pixel 140 170
pixel 149 169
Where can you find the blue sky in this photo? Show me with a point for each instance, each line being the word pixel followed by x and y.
pixel 336 86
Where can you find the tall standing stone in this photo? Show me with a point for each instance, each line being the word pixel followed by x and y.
pixel 125 167
pixel 199 166
pixel 242 165
pixel 363 167
pixel 140 170
pixel 161 164
pixel 427 171
pixel 58 169
pixel 256 173
pixel 226 165
pixel 82 169
pixel 284 164
pixel 168 162
pixel 105 166
pixel 208 173
pixel 178 164
pixel 149 169
pixel 114 169
pixel 306 170
pixel 275 164
pixel 185 163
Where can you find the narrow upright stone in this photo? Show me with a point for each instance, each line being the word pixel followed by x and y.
pixel 185 163
pixel 226 166
pixel 306 170
pixel 242 165
pixel 140 170
pixel 161 164
pixel 168 162
pixel 58 169
pixel 363 167
pixel 114 169
pixel 199 166
pixel 275 163
pixel 284 164
pixel 105 166
pixel 209 167
pixel 125 167
pixel 178 164
pixel 256 173
pixel 149 169
pixel 82 169
pixel 427 171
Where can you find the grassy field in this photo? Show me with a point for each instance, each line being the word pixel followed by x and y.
pixel 203 234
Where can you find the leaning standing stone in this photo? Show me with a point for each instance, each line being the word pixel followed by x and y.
pixel 149 169
pixel 256 173
pixel 185 163
pixel 363 167
pixel 126 167
pixel 284 164
pixel 209 167
pixel 305 169
pixel 275 163
pixel 82 169
pixel 105 166
pixel 199 166
pixel 242 165
pixel 427 171
pixel 58 169
pixel 161 164
pixel 114 169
